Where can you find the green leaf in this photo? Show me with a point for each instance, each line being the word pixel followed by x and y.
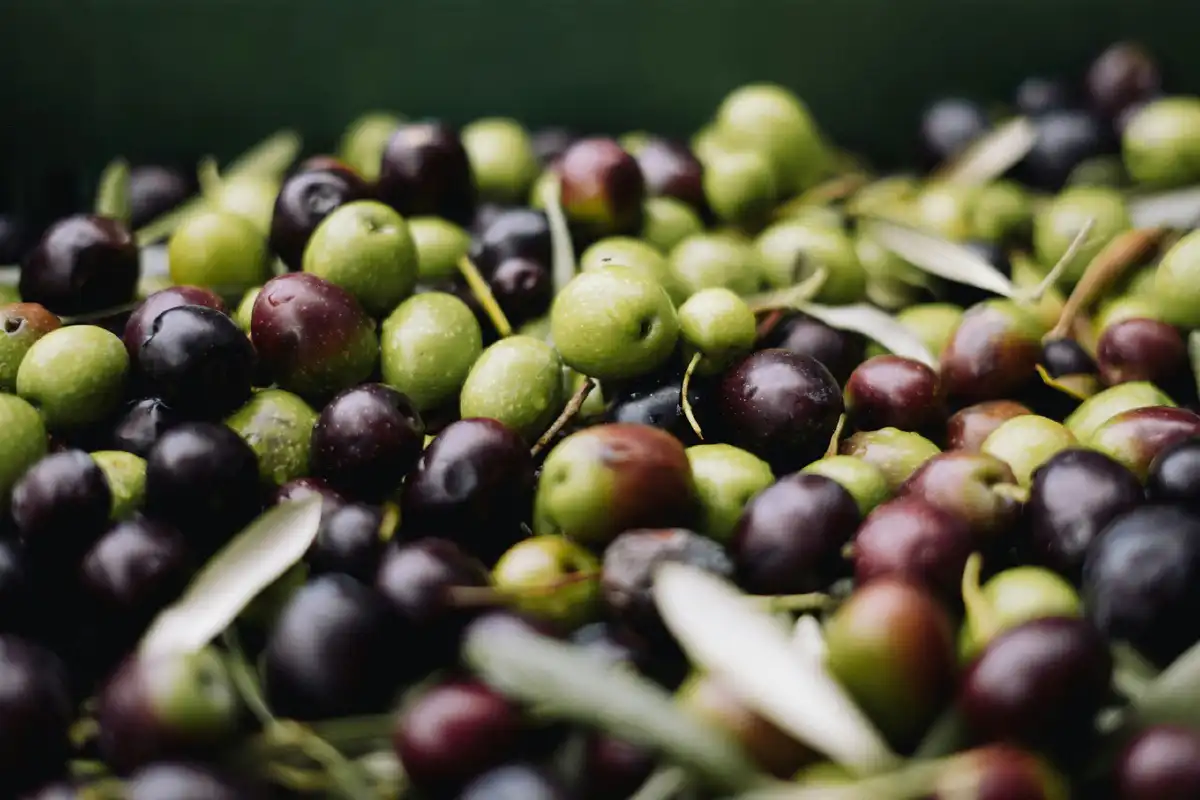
pixel 939 256
pixel 876 325
pixel 1174 696
pixel 562 681
pixel 112 195
pixel 252 561
pixel 752 654
pixel 563 267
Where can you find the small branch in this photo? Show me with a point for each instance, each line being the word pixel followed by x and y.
pixel 684 401
pixel 835 440
pixel 1064 262
pixel 483 293
pixel 572 409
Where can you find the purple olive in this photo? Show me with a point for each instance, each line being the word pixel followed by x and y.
pixel 307 198
pixel 913 540
pixel 993 353
pixel 1136 437
pixel 602 189
pixel 425 172
pixel 964 484
pixel 1141 350
pixel 968 428
pixel 1122 75
pixel 670 169
pixel 1161 762
pixel 893 392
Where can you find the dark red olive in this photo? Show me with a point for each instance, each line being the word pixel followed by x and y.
pixel 1141 350
pixel 913 540
pixel 613 769
pixel 35 714
pixel 1161 762
pixel 964 484
pixel 61 507
pixel 602 189
pixel 1040 683
pixel 993 353
pixel 780 406
pixel 1137 436
pixel 839 351
pixel 305 199
pixel 966 429
pixel 426 172
pixel 137 327
pixel 789 539
pixel 670 169
pixel 893 392
pixel 1121 76
pixel 156 189
pixel 999 772
pixel 83 263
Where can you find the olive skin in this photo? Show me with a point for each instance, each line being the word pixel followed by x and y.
pixel 602 189
pixel 891 628
pixel 22 325
pixel 1141 580
pixel 839 351
pixel 670 169
pixel 60 507
pixel 780 406
pixel 473 484
pixel 83 263
pixel 789 539
pixel 1040 683
pixel 1063 357
pixel 331 652
pixel 1072 497
pixel 1175 474
pixel 992 354
pixel 1141 350
pixel 425 171
pixel 154 190
pixel 1161 762
pixel 305 199
pixel 350 541
pixel 138 326
pixel 1121 76
pixel 911 539
pixel 1137 436
pixel 515 233
pixel 366 440
pixel 893 392
pixel 36 709
pixel 963 484
pixel 968 428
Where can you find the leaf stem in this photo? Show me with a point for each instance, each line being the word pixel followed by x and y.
pixel 112 195
pixel 685 401
pixel 572 409
pixel 483 293
pixel 981 617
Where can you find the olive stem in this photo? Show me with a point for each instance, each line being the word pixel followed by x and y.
pixel 244 680
pixel 208 176
pixel 563 266
pixel 835 439
pixel 981 618
pixel 1065 261
pixel 347 731
pixel 684 401
pixel 1012 491
pixel 1108 265
pixel 572 408
pixel 795 603
pixel 664 784
pixel 486 596
pixel 112 195
pixel 483 293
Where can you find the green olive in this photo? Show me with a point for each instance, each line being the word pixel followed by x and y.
pixel 363 143
pixel 75 376
pixel 897 454
pixel 23 443
pixel 518 381
pixel 1106 171
pixel 946 209
pixel 740 187
pixel 727 479
pixel 1016 596
pixel 440 246
pixel 278 427
pixel 625 251
pixel 9 294
pixel 793 250
pixel 1098 409
pixel 126 477
pixel 718 325
pixel 538 328
pixel 502 159
pixel 865 482
pixel 1003 212
pixel 715 260
pixel 884 196
pixel 244 312
pixel 1026 442
pixel 427 347
pixel 21 324
pixel 251 197
pixel 218 250
pixel 666 222
pixel 773 121
pixel 1057 225
pixel 1177 282
pixel 1122 307
pixel 933 323
pixel 550 577
pixel 1161 142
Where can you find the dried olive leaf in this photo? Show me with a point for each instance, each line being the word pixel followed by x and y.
pixel 561 681
pixel 876 325
pixel 992 155
pixel 252 561
pixel 939 256
pixel 751 653
pixel 563 266
pixel 112 195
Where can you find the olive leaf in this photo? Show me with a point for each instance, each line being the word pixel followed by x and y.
pixel 912 781
pixel 1132 673
pixel 877 325
pixel 252 561
pixel 112 195
pixel 992 155
pixel 562 681
pixel 808 639
pixel 1179 208
pixel 1194 355
pixel 1174 696
pixel 752 654
pixel 938 256
pixel 1078 387
pixel 563 266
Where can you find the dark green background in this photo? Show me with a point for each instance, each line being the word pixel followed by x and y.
pixel 84 80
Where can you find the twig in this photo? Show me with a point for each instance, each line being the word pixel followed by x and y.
pixel 483 293
pixel 1067 257
pixel 684 402
pixel 573 405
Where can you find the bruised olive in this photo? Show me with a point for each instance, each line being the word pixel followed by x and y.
pixel 1141 350
pixel 911 539
pixel 968 428
pixel 893 392
pixel 1134 438
pixel 602 189
pixel 965 484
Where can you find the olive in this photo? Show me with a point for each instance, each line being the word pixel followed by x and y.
pixel 614 769
pixel 1160 762
pixel 60 507
pixel 138 326
pixel 1174 475
pixel 1072 497
pixel 1141 580
pixel 82 264
pixel 993 353
pixel 517 381
pixel 717 325
pixel 1065 138
pixel 425 171
pixel 36 709
pixel 142 424
pixel 363 142
pixel 350 540
pixel 794 249
pixel 780 406
pixel 1037 94
pixel 727 479
pixel 772 749
pixel 658 406
pixel 1159 142
pixel 1136 437
pixel 670 169
pixel 771 120
pixel 1122 75
pixel 522 288
pixel 893 392
pixel 896 453
pixel 789 539
pixel 514 233
pixel 1174 293
pixel 551 577
pixel 1059 223
pixel 473 484
pixel 865 482
pixel 305 199
pixel 1063 357
pixel 630 563
pixel 615 645
pixel 666 222
pixel 440 246
pixel 913 540
pixel 1100 408
pixel 1003 214
pixel 1000 772
pixel 965 484
pixel 1141 350
pixel 15 234
pixel 740 187
pixel 172 706
pixel 330 653
pixel 636 254
pixel 1026 442
pixel 1040 683
pixel 1014 597
pixel 502 158
pixel 944 208
pixel 516 781
pixel 22 324
pixel 714 260
pixel 948 127
pixel 839 351
pixel 16 588
pixel 184 781
pixel 427 347
pixel 602 189
pixel 891 646
pixel 155 189
pixel 611 478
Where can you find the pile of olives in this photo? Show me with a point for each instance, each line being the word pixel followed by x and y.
pixel 514 373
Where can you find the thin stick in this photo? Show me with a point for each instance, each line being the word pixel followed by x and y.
pixel 1067 257
pixel 483 293
pixel 1108 265
pixel 573 405
pixel 835 440
pixel 796 603
pixel 683 396
pixel 768 323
